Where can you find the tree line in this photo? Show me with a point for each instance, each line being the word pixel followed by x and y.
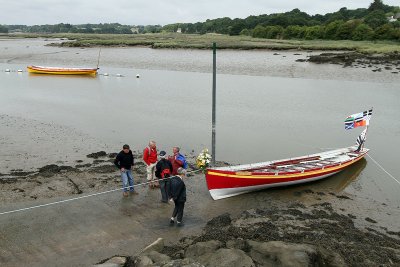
pixel 377 22
pixel 102 28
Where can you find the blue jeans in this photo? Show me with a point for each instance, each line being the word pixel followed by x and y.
pixel 127 180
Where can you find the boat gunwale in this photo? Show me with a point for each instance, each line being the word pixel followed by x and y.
pixel 58 69
pixel 266 175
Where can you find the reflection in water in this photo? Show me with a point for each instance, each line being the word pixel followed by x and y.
pixel 341 180
pixel 335 183
pixel 61 76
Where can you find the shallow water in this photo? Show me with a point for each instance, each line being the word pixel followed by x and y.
pixel 268 107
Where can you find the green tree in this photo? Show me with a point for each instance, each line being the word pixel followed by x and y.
pixel 3 29
pixel 345 30
pixel 376 5
pixel 396 34
pixel 395 24
pixel 259 32
pixel 362 32
pixel 314 32
pixel 245 32
pixel 385 32
pixel 375 19
pixel 294 32
pixel 237 26
pixel 331 29
pixel 124 30
pixel 274 32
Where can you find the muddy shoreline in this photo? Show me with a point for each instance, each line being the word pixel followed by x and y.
pixel 94 173
pixel 293 236
pixel 325 223
pixel 377 62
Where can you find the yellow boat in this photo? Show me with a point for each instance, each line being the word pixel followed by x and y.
pixel 62 71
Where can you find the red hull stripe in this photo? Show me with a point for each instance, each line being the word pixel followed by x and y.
pixel 225 179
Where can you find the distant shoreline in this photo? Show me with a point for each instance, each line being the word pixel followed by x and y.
pixel 197 41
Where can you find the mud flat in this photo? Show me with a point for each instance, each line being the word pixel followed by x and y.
pixel 267 228
pixel 375 62
pixel 292 236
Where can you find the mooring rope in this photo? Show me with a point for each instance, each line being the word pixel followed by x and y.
pixel 90 195
pixel 383 169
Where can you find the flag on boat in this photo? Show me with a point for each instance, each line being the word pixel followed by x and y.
pixel 358 119
pixel 361 139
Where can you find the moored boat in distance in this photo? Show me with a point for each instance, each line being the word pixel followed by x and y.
pixel 62 71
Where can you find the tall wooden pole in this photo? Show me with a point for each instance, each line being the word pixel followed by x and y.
pixel 214 95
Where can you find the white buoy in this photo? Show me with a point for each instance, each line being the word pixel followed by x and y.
pixel 19 70
pixel 105 74
pixel 137 76
pixel 7 70
pixel 119 75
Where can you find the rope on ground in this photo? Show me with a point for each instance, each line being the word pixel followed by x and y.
pixel 383 169
pixel 86 196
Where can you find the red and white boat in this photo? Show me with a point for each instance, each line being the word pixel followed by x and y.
pixel 230 181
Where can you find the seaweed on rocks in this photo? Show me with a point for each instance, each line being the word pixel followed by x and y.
pixel 53 169
pixel 318 225
pixel 97 155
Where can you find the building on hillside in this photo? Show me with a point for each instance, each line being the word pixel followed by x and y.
pixel 135 30
pixel 393 18
pixel 179 30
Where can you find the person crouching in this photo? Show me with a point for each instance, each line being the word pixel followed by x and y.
pixel 177 191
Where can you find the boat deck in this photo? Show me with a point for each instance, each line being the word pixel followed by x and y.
pixel 298 165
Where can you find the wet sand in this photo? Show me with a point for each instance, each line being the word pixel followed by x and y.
pixel 86 231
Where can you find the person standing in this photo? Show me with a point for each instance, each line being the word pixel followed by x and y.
pixel 178 160
pixel 177 191
pixel 150 158
pixel 163 172
pixel 124 161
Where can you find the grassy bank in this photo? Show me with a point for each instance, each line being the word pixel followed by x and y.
pixel 195 41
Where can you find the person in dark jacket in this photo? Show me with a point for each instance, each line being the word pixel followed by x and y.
pixel 124 161
pixel 163 171
pixel 177 191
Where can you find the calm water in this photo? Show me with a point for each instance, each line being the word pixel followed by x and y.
pixel 259 117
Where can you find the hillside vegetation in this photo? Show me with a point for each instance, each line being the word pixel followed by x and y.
pixel 372 29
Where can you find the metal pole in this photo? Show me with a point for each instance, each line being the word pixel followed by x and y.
pixel 214 94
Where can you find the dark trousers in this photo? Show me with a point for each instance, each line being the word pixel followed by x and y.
pixel 178 210
pixel 164 190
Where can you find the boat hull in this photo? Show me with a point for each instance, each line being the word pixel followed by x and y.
pixel 62 71
pixel 231 181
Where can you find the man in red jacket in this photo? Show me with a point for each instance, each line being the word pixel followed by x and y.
pixel 150 158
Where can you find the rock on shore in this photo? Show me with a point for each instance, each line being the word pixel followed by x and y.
pixel 295 236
